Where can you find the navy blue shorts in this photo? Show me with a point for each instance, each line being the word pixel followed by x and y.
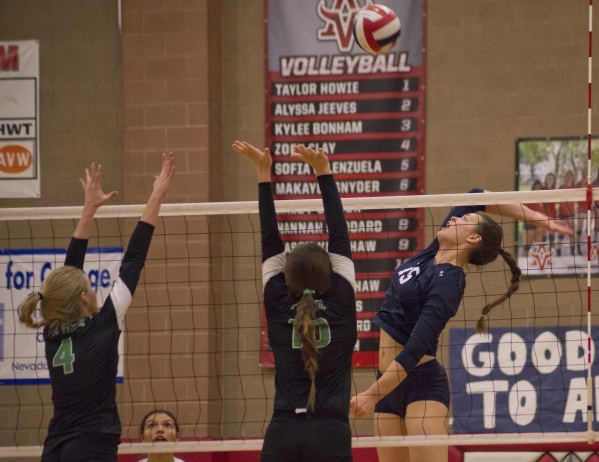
pixel 427 382
pixel 306 438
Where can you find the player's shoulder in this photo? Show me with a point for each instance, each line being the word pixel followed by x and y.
pixel 275 286
pixel 448 278
pixel 447 272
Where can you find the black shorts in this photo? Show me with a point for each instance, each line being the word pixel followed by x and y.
pixel 529 226
pixel 427 382
pixel 306 438
pixel 76 448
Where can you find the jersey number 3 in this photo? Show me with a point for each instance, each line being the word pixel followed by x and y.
pixel 64 356
pixel 322 332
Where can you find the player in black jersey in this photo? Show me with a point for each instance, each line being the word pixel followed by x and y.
pixel 311 311
pixel 81 340
pixel 411 396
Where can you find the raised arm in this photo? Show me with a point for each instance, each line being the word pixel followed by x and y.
pixel 516 211
pixel 94 199
pixel 273 258
pixel 162 183
pixel 333 209
pixel 523 213
pixel 139 243
pixel 339 247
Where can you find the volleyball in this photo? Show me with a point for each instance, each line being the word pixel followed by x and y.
pixel 376 29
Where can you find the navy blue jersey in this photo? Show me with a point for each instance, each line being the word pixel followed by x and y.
pixel 83 361
pixel 336 317
pixel 421 299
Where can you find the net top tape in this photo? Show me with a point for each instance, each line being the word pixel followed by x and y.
pixel 357 442
pixel 306 205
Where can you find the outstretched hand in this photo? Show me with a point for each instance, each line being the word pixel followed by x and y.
pixel 261 159
pixel 94 196
pixel 163 181
pixel 317 160
pixel 94 199
pixel 556 226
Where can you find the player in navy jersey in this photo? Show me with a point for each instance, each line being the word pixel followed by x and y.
pixel 82 340
pixel 311 311
pixel 411 396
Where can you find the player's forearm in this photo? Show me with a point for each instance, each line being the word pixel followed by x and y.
pixel 84 226
pixel 518 211
pixel 263 175
pixel 271 241
pixel 150 213
pixel 392 377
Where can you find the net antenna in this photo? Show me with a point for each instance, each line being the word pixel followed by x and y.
pixel 589 203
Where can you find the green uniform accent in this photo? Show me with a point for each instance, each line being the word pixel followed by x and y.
pixel 64 356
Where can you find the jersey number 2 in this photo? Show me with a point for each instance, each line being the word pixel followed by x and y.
pixel 64 356
pixel 321 326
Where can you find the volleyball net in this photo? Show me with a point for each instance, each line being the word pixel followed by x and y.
pixel 194 340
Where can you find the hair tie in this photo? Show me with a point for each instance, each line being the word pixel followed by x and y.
pixel 41 295
pixel 309 292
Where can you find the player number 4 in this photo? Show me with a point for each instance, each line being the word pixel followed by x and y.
pixel 64 356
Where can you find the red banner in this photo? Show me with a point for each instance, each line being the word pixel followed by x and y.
pixel 367 113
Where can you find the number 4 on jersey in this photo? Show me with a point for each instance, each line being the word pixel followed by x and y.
pixel 64 356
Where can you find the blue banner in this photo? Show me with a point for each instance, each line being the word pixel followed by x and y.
pixel 22 349
pixel 520 380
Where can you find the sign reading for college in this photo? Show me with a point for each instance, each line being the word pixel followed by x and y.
pixel 367 114
pixel 19 119
pixel 521 380
pixel 22 356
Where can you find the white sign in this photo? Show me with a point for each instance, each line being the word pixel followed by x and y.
pixel 22 349
pixel 19 119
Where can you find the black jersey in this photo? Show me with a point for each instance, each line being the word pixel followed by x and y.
pixel 83 362
pixel 421 299
pixel 336 318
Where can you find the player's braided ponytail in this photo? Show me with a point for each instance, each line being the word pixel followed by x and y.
pixel 305 314
pixel 486 252
pixel 308 275
pixel 514 285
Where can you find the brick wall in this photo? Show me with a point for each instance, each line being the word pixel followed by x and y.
pixel 171 73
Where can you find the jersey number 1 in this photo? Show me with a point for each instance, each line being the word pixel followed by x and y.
pixel 64 356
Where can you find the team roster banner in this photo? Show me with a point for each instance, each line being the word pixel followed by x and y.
pixel 367 114
pixel 521 380
pixel 22 353
pixel 19 119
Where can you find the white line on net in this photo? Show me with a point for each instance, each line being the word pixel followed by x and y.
pixel 357 442
pixel 307 205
